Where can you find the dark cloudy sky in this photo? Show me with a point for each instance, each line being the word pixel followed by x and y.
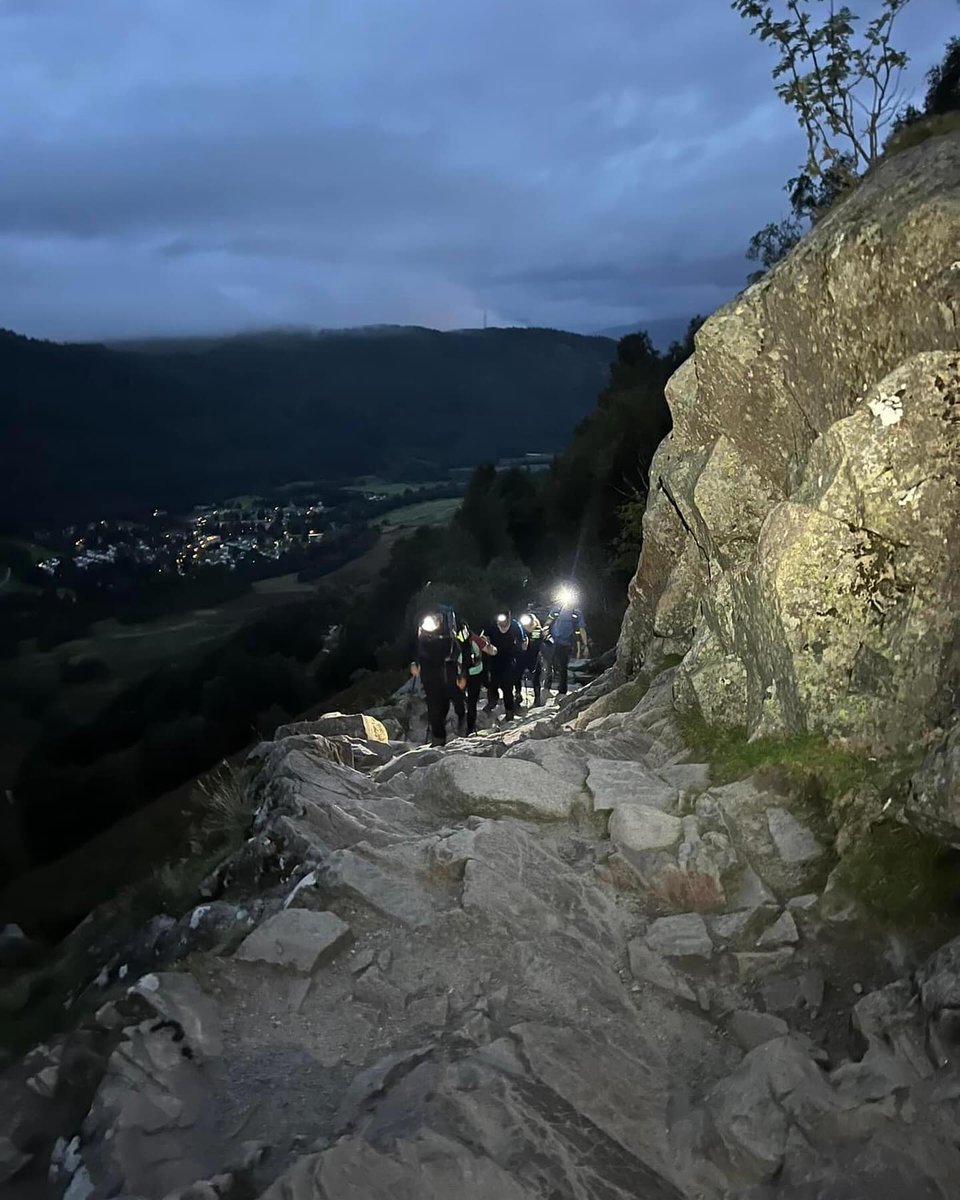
pixel 204 165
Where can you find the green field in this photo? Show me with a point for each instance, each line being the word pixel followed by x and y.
pixel 427 512
pixel 380 487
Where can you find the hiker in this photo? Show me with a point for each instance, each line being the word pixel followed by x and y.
pixel 530 662
pixel 474 647
pixel 439 666
pixel 511 642
pixel 565 633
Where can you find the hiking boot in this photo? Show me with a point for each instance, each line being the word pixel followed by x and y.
pixel 488 708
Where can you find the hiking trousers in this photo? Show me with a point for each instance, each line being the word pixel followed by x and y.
pixel 502 679
pixel 532 668
pixel 474 688
pixel 440 690
pixel 561 662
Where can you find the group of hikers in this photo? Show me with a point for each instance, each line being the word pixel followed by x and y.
pixel 457 664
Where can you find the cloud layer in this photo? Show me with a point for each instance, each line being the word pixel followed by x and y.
pixel 203 165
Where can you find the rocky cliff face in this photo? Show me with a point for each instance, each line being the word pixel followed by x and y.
pixel 799 540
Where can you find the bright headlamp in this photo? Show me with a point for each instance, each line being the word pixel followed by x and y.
pixel 566 595
pixel 430 624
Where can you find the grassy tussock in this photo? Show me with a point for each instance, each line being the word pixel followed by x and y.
pixel 225 800
pixel 922 131
pixel 809 758
pixel 901 876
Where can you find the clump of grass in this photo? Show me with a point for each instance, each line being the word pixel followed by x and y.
pixel 807 757
pixel 225 799
pixel 901 876
pixel 921 131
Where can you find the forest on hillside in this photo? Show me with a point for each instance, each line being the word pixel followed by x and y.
pixel 93 432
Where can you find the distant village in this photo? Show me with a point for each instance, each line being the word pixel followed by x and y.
pixel 228 535
pixel 243 532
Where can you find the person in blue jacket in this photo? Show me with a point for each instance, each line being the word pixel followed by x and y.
pixel 566 634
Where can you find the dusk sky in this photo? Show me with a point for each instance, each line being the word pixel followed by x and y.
pixel 173 166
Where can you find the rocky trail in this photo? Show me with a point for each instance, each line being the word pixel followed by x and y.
pixel 549 962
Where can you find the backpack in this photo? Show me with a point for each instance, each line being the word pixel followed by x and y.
pixel 448 620
pixel 563 627
pixel 471 656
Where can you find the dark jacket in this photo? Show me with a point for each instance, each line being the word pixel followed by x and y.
pixel 509 644
pixel 439 655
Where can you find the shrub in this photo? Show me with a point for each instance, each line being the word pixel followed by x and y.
pixel 225 799
pixel 688 891
pixel 920 131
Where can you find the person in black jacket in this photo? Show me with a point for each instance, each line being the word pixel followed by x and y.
pixel 439 664
pixel 530 663
pixel 511 643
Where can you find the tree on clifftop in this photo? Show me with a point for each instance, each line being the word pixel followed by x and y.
pixel 843 81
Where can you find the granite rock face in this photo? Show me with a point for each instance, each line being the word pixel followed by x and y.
pixel 798 547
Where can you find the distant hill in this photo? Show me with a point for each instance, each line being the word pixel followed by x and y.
pixel 96 431
pixel 662 331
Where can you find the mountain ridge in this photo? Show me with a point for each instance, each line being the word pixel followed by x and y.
pixel 90 430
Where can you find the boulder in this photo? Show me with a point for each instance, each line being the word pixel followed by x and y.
pixel 783 932
pixel 297 939
pixel 763 963
pixel 647 966
pixel 682 936
pixel 177 997
pixel 795 843
pixel 562 757
pixel 778 1086
pixel 367 878
pixel 664 538
pixel 508 787
pixel 353 725
pixel 614 785
pixel 781 847
pixel 939 980
pixel 752 1029
pixel 640 828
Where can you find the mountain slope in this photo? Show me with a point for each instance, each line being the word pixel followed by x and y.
pixel 93 431
pixel 661 331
